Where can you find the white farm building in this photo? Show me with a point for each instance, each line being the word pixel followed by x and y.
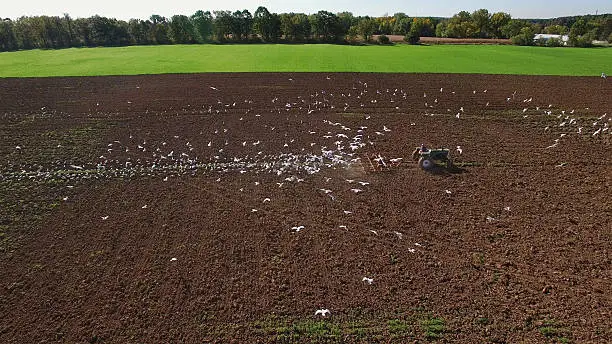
pixel 546 37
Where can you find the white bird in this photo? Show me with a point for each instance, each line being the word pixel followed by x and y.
pixel 364 183
pixel 297 228
pixel 323 312
pixel 356 190
pixel 459 150
pixel 104 217
pixel 266 200
pixel 144 206
pixel 173 259
pixel 65 198
pixel 214 88
pixel 385 128
pixel 367 280
pixel 603 75
pixel 448 192
pixel 490 219
pixel 326 191
pixel 347 212
pixel 507 208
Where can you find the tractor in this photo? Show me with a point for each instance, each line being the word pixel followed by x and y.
pixel 428 159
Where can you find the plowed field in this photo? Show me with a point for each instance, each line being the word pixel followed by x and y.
pixel 233 207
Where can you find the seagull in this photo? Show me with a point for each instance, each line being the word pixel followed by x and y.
pixel 367 280
pixel 385 128
pixel 364 183
pixel 144 206
pixel 297 228
pixel 490 219
pixel 603 75
pixel 347 212
pixel 214 88
pixel 356 190
pixel 459 150
pixel 322 312
pixel 173 259
pixel 104 217
pixel 448 192
pixel 266 200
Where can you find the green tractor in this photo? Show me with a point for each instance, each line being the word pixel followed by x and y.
pixel 428 159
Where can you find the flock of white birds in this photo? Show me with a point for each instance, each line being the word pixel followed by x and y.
pixel 288 147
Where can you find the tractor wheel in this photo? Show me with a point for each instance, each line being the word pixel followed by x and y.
pixel 426 164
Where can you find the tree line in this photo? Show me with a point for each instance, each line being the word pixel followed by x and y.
pixel 54 32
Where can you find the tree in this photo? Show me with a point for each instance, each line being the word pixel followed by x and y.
pixel 555 30
pixel 325 25
pixel 159 29
pixel 181 30
pixel 267 24
pixel 8 40
pixel 352 34
pixel 203 25
pixel 241 24
pixel 385 25
pixel 366 27
pixel 498 21
pixel 345 21
pixel 513 28
pixel 579 35
pixel 461 25
pixel 295 26
pixel 579 28
pixel 139 31
pixel 482 22
pixel 525 37
pixel 441 29
pixel 222 25
pixel 423 27
pixel 401 24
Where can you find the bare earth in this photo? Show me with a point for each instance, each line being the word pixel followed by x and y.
pixel 231 207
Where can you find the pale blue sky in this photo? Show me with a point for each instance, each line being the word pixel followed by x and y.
pixel 125 9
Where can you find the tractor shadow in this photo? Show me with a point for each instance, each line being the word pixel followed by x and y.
pixel 447 171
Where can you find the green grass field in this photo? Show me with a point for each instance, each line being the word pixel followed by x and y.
pixel 485 59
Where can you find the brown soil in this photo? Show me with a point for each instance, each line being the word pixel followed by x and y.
pixel 205 244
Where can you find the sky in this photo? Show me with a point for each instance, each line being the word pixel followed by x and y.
pixel 125 9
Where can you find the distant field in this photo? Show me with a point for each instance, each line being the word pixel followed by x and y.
pixel 306 58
